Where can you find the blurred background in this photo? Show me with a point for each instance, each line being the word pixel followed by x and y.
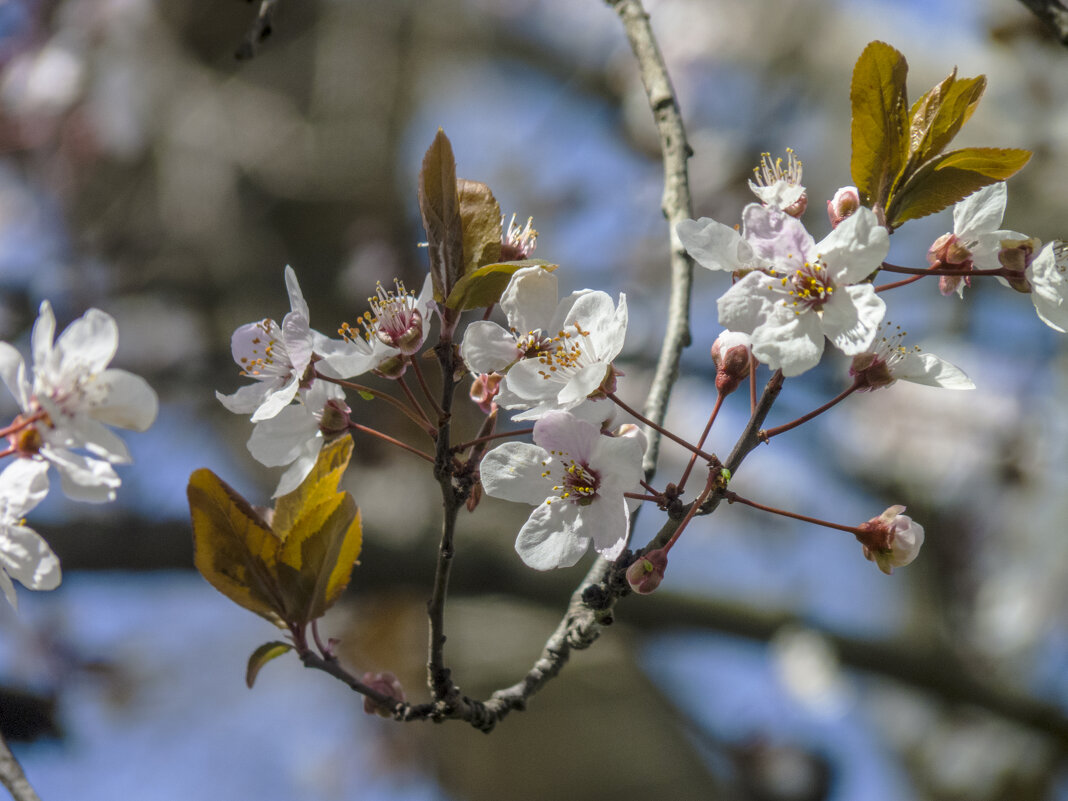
pixel 145 171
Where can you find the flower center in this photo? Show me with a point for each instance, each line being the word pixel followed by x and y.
pixel 768 172
pixel 532 343
pixel 518 243
pixel 269 356
pixel 578 484
pixel 566 353
pixel 393 319
pixel 808 287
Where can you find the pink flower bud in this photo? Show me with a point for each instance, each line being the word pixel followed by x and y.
pixel 1016 255
pixel 891 539
pixel 646 572
pixel 484 389
pixel 869 371
pixel 385 683
pixel 732 354
pixel 335 420
pixel 845 201
pixel 949 253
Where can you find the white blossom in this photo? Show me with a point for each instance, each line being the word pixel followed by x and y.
pixel 24 555
pixel 575 478
pixel 888 361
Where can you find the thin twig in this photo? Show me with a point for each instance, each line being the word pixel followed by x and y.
pixel 12 777
pixel 261 28
pixel 1054 13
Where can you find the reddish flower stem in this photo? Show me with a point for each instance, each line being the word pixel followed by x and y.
pixel 426 389
pixel 377 393
pixel 894 268
pixel 752 385
pixel 734 497
pixel 18 425
pixel 701 442
pixel 391 441
pixel 414 403
pixel 659 429
pixel 896 284
pixel 712 477
pixel 774 432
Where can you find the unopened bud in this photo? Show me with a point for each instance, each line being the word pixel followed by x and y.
pixel 949 253
pixel 335 420
pixel 845 201
pixel 869 371
pixel 385 684
pixel 733 356
pixel 393 367
pixel 1015 255
pixel 484 389
pixel 646 572
pixel 797 208
pixel 891 539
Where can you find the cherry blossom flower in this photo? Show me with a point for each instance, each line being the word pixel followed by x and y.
pixel 529 302
pixel 573 364
pixel 296 435
pixel 976 239
pixel 1049 285
pixel 24 555
pixel 780 187
pixel 518 242
pixel 279 358
pixel 889 361
pixel 72 398
pixel 575 478
pixel 891 539
pixel 811 291
pixel 395 327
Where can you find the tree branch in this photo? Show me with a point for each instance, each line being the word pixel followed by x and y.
pixel 1054 13
pixel 259 30
pixel 12 777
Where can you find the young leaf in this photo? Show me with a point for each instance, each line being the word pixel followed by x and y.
pixel 261 656
pixel 320 486
pixel 439 205
pixel 880 121
pixel 233 547
pixel 950 178
pixel 484 286
pixel 481 217
pixel 956 102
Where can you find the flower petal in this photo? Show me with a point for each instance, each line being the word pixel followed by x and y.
pixel 13 373
pixel 83 478
pixel 1049 288
pixel 855 248
pixel 563 433
pixel 44 331
pixel 789 342
pixel 88 344
pixel 27 557
pixel 778 237
pixel 296 297
pixel 276 400
pixel 928 369
pixel 851 317
pixel 123 399
pixel 513 472
pixel 301 467
pixel 488 348
pixel 548 539
pixel 980 212
pixel 746 305
pixel 281 439
pixel 713 245
pixel 247 398
pixel 529 300
pixel 23 485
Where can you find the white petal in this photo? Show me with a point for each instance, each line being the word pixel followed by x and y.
pixel 618 460
pixel 789 342
pixel 247 399
pixel 301 467
pixel 583 384
pixel 343 359
pixel 851 318
pixel 513 472
pixel 23 485
pixel 27 558
pixel 855 248
pixel 928 369
pixel 713 245
pixel 296 297
pixel 13 373
pixel 88 344
pixel 1049 288
pixel 605 522
pixel 524 386
pixel 747 304
pixel 126 400
pixel 83 478
pixel 277 400
pixel 98 439
pixel 548 539
pixel 281 439
pixel 560 432
pixel 608 329
pixel 529 300
pixel 44 331
pixel 780 195
pixel 980 212
pixel 488 348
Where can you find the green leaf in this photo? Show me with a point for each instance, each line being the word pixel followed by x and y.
pixel 367 396
pixel 940 114
pixel 879 128
pixel 481 217
pixel 949 178
pixel 261 656
pixel 233 547
pixel 319 487
pixel 484 286
pixel 439 205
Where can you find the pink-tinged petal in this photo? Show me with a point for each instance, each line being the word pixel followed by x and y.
pixel 619 461
pixel 13 373
pixel 89 343
pixel 83 478
pixel 247 398
pixel 125 400
pixel 851 317
pixel 855 248
pixel 248 342
pixel 563 433
pixel 548 539
pixel 488 348
pixel 343 359
pixel 1049 288
pixel 296 297
pixel 277 400
pixel 23 485
pixel 27 558
pixel 583 383
pixel 513 472
pixel 281 439
pixel 44 331
pixel 789 342
pixel 713 245
pixel 529 300
pixel 777 237
pixel 300 469
pixel 747 304
pixel 928 369
pixel 981 211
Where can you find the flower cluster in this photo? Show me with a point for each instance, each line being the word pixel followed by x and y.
pixel 67 399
